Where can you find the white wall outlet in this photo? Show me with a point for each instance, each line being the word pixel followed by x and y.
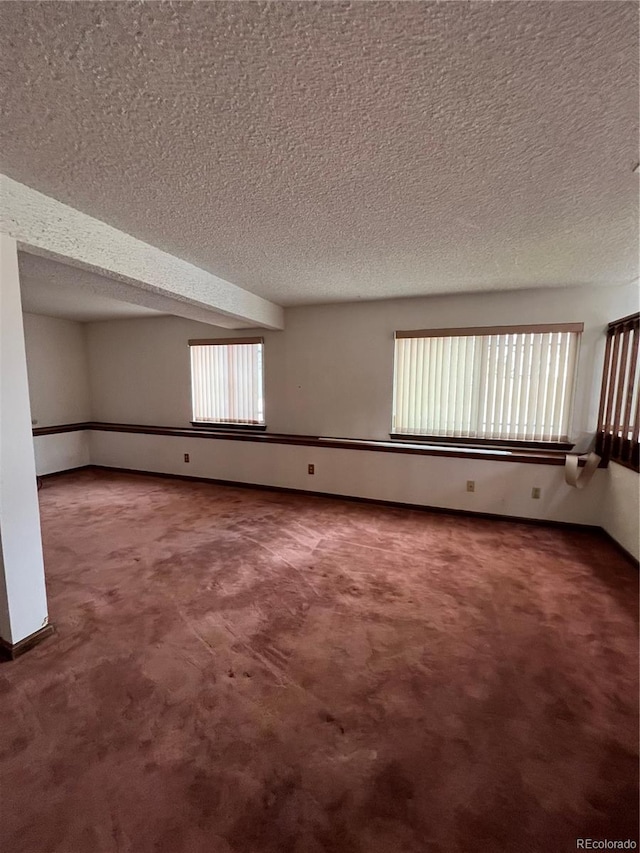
pixel 311 468
pixel 471 485
pixel 187 458
pixel 535 493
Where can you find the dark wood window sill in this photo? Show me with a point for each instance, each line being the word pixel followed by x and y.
pixel 229 427
pixel 482 443
pixel 417 448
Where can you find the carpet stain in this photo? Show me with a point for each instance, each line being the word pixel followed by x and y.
pixel 239 671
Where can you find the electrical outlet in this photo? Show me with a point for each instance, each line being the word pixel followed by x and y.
pixel 186 457
pixel 471 485
pixel 311 469
pixel 535 493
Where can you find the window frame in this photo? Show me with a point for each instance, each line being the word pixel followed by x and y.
pixel 229 426
pixel 481 331
pixel 615 414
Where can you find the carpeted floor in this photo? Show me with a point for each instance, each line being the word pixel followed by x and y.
pixel 239 671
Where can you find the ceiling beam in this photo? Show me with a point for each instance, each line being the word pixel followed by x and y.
pixel 44 226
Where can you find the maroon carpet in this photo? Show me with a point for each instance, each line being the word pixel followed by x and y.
pixel 246 671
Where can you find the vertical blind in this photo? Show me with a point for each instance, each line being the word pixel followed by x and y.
pixel 619 416
pixel 227 380
pixel 504 383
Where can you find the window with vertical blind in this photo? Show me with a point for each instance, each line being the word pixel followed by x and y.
pixel 506 383
pixel 619 414
pixel 227 381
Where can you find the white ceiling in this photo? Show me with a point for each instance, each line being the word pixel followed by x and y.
pixel 58 290
pixel 315 152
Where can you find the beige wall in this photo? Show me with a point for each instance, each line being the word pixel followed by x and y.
pixel 330 372
pixel 58 389
pixel 58 370
pixel 501 488
pixel 61 452
pixel 621 507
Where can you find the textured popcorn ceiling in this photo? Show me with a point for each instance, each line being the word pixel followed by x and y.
pixel 154 278
pixel 57 290
pixel 319 152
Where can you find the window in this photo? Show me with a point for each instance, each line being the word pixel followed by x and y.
pixel 227 381
pixel 618 418
pixel 501 384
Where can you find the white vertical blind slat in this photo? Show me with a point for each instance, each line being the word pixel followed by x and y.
pixel 446 383
pixel 541 398
pixel 562 348
pixel 518 382
pixel 246 385
pixel 402 414
pixel 569 374
pixel 478 365
pixel 486 426
pixel 240 386
pixel 411 396
pixel 549 347
pixel 458 395
pixel 431 413
pixel 420 408
pixel 472 384
pixel 501 378
pixel 531 431
pixel 439 383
